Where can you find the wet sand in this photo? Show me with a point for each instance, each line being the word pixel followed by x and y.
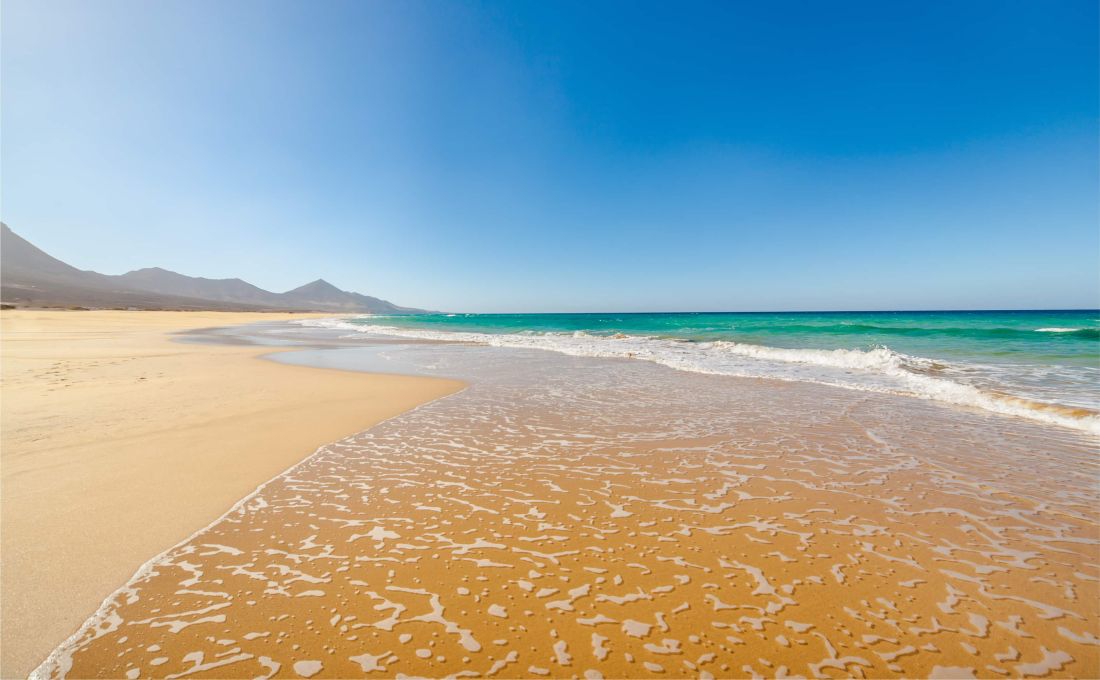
pixel 572 517
pixel 119 442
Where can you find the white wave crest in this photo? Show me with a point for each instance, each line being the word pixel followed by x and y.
pixel 875 370
pixel 1057 329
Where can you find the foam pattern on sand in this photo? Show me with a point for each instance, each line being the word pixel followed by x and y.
pixel 573 517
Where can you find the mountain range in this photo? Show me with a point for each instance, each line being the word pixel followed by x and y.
pixel 30 277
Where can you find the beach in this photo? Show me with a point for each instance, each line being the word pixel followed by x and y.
pixel 119 442
pixel 549 340
pixel 577 516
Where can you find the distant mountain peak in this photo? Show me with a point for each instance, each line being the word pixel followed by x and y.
pixel 317 287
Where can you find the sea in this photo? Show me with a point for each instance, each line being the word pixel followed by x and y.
pixel 1043 365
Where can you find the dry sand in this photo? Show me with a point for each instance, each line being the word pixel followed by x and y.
pixel 118 442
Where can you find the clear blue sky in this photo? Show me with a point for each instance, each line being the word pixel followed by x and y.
pixel 559 156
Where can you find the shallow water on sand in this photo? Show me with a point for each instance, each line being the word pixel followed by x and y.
pixel 1042 365
pixel 571 516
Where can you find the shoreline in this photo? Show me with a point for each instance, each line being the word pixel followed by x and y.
pixel 881 370
pixel 56 658
pixel 566 516
pixel 108 419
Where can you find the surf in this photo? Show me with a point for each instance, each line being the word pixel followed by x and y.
pixel 879 369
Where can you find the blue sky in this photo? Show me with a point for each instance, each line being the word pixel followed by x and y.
pixel 561 156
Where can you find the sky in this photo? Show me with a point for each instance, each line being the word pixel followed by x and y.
pixel 567 156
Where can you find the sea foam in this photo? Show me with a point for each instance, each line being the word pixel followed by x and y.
pixel 879 369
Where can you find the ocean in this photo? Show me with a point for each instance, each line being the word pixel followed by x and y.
pixel 1042 365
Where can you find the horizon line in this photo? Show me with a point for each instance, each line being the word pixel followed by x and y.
pixel 799 311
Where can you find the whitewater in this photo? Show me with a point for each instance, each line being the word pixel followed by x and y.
pixel 878 369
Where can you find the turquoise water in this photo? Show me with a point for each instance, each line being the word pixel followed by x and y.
pixel 985 359
pixel 1061 337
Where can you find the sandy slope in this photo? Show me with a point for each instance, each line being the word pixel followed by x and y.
pixel 118 442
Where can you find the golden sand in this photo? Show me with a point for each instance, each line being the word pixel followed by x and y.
pixel 485 535
pixel 118 442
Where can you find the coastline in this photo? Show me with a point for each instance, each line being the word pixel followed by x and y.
pixel 975 380
pixel 574 515
pixel 108 421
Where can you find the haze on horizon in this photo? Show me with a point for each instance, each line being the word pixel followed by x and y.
pixel 567 156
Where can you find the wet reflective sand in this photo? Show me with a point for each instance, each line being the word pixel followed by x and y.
pixel 577 517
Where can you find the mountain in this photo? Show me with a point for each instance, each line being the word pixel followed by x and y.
pixel 21 260
pixel 321 294
pixel 32 278
pixel 157 280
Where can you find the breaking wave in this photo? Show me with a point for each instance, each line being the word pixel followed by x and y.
pixel 879 369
